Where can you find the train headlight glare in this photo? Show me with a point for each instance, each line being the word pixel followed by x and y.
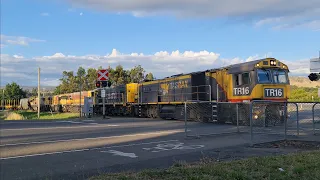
pixel 256 116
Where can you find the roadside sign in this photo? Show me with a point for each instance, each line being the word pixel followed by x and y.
pixel 103 93
pixel 315 65
pixel 103 75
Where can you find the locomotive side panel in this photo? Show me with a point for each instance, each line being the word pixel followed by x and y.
pixel 199 88
pixel 149 92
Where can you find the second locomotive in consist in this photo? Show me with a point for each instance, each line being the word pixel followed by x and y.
pixel 263 79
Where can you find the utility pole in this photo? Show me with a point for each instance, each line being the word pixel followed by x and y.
pixel 39 93
pixel 80 96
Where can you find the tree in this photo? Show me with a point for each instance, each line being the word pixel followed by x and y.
pixel 91 78
pixel 81 78
pixel 57 90
pixel 119 76
pixel 149 76
pixel 137 74
pixel 68 82
pixel 13 91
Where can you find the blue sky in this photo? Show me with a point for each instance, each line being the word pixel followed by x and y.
pixel 55 33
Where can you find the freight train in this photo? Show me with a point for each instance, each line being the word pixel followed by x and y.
pixel 263 79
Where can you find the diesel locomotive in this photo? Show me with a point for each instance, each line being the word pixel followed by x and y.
pixel 263 79
pixel 220 88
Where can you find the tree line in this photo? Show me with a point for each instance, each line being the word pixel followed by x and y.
pixel 71 81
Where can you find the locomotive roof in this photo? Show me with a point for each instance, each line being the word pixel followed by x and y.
pixel 246 66
pixel 234 68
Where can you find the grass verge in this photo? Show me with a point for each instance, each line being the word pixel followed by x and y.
pixel 2 115
pixel 30 115
pixel 294 166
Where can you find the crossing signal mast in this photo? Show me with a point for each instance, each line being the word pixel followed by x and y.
pixel 315 69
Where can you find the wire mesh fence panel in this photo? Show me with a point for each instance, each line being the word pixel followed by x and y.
pixel 268 121
pixel 292 119
pixel 306 124
pixel 316 118
pixel 207 118
pixel 234 114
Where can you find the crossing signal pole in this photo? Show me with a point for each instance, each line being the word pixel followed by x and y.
pixel 314 69
pixel 101 83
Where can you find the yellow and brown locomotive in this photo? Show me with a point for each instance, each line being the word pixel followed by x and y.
pixel 263 79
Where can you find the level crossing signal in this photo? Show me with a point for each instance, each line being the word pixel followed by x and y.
pixel 100 84
pixel 314 76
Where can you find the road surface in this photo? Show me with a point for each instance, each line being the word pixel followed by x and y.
pixel 78 149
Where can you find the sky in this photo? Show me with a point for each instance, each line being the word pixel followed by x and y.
pixel 165 37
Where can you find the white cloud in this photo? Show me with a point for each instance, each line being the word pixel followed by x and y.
pixel 260 11
pixel 17 56
pixel 44 14
pixel 17 40
pixel 161 64
pixel 308 19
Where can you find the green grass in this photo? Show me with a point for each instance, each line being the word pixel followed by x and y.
pixel 295 166
pixel 31 115
pixel 2 115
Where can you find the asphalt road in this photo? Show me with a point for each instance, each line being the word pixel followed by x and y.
pixel 67 149
pixel 78 149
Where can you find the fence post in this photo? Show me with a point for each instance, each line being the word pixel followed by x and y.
pixel 210 93
pixel 185 118
pixel 251 124
pixel 298 128
pixel 285 120
pixel 237 106
pixel 313 123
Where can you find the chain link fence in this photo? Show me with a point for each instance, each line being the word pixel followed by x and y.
pixel 203 118
pixel 273 120
pixel 316 118
pixel 261 120
pixel 308 113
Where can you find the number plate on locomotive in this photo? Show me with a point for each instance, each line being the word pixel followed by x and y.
pixel 273 92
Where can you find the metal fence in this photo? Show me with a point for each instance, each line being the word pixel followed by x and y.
pixel 260 120
pixel 204 118
pixel 316 118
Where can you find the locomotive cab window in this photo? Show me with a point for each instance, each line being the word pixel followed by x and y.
pixel 263 76
pixel 280 76
pixel 242 79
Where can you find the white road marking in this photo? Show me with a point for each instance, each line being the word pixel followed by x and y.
pixel 88 120
pixel 95 138
pixel 171 146
pixel 81 150
pixel 76 122
pixel 102 125
pixel 119 153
